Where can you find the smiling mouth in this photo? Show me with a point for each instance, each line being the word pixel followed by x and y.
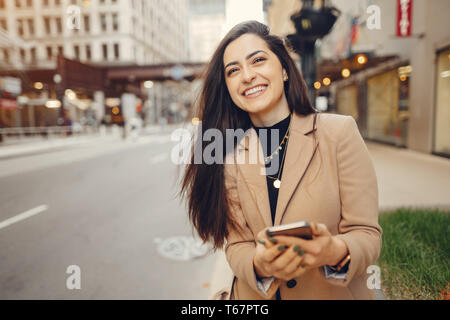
pixel 255 91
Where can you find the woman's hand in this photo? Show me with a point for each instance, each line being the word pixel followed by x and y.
pixel 287 257
pixel 276 259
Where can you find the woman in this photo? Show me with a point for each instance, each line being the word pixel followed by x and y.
pixel 320 172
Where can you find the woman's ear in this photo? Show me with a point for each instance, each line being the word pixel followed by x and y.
pixel 285 76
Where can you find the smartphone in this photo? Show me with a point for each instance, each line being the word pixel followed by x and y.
pixel 300 229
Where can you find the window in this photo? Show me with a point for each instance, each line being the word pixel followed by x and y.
pixel 31 26
pixel 441 143
pixel 88 52
pixel 87 24
pixel 45 2
pixel 49 53
pixel 116 51
pixel 58 25
pixel 18 4
pixel 2 4
pixel 103 21
pixel 3 25
pixel 57 2
pixel 29 3
pixel 47 25
pixel 61 50
pixel 33 55
pixel 115 22
pixel 6 55
pixel 76 50
pixel 20 27
pixel 105 51
pixel 22 55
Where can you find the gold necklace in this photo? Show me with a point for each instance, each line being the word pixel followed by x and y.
pixel 278 149
pixel 286 136
pixel 277 182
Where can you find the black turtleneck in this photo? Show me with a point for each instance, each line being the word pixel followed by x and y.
pixel 268 149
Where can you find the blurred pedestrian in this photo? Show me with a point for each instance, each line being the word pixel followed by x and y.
pixel 324 176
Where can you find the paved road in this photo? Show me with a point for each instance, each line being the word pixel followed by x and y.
pixel 102 205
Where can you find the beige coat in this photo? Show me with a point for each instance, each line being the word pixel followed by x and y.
pixel 331 181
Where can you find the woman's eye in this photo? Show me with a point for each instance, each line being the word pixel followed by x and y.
pixel 259 59
pixel 231 71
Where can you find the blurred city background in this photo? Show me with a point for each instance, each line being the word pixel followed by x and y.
pixel 91 90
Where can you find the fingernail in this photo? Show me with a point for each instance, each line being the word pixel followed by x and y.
pixel 262 242
pixel 282 247
pixel 273 240
pixel 301 252
pixel 296 248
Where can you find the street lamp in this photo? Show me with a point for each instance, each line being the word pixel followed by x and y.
pixel 38 85
pixel 361 59
pixel 148 84
pixel 311 23
pixel 345 73
pixel 57 79
pixel 326 81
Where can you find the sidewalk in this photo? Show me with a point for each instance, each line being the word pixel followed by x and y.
pixel 406 178
pixel 17 147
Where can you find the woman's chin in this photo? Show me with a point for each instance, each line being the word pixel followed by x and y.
pixel 260 111
pixel 257 107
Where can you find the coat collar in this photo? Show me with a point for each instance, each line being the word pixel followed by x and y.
pixel 300 151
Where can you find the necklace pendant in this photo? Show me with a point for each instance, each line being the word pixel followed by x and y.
pixel 277 184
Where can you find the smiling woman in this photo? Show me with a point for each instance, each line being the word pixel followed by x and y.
pixel 255 80
pixel 223 106
pixel 253 85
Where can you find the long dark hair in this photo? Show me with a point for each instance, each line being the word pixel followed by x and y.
pixel 204 184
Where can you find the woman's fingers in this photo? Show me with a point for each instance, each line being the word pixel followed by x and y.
pixel 293 266
pixel 284 264
pixel 265 240
pixel 291 241
pixel 270 254
pixel 292 258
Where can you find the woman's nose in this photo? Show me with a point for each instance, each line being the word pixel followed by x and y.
pixel 248 74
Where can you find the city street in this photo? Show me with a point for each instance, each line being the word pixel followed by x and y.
pixel 103 206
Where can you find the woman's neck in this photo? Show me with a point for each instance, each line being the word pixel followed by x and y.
pixel 272 115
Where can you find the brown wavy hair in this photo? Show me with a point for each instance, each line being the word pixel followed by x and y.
pixel 204 184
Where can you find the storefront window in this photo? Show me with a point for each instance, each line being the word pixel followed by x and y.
pixel 387 106
pixel 347 101
pixel 442 114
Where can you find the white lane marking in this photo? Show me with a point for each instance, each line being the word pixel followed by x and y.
pixel 23 216
pixel 158 158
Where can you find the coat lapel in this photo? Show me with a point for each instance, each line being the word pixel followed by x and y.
pixel 300 151
pixel 253 171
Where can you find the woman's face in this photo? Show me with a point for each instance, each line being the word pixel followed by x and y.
pixel 253 74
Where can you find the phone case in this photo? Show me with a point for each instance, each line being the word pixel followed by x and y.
pixel 298 229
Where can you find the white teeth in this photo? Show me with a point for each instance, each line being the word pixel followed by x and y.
pixel 254 90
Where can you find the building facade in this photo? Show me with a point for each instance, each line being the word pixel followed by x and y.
pixel 102 32
pixel 397 92
pixel 206 28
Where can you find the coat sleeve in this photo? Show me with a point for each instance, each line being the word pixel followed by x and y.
pixel 241 243
pixel 358 190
